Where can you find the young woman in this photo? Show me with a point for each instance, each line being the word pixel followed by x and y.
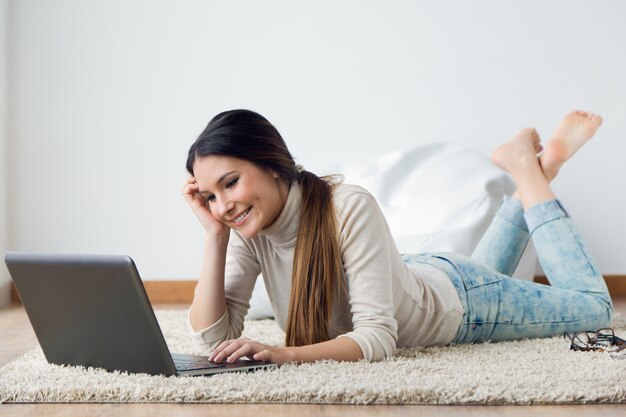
pixel 338 286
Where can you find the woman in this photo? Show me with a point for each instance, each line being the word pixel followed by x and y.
pixel 338 286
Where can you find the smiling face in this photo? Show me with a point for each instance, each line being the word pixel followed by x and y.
pixel 232 187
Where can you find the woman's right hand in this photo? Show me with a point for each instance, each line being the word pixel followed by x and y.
pixel 198 205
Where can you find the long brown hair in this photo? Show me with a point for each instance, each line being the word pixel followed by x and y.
pixel 317 273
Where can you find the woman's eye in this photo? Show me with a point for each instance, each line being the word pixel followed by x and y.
pixel 211 198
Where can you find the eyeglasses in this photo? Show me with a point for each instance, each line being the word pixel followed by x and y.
pixel 602 340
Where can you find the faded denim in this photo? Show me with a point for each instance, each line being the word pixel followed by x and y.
pixel 499 307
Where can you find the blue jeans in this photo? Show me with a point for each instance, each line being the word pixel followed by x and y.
pixel 499 307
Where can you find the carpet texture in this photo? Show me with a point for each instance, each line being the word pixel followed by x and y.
pixel 538 371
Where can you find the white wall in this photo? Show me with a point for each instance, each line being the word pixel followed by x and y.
pixel 107 96
pixel 4 239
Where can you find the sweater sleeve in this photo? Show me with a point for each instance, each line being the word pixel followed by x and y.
pixel 367 265
pixel 241 271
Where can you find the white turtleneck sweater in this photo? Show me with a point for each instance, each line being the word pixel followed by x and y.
pixel 389 303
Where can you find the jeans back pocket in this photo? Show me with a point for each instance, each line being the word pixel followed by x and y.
pixel 473 273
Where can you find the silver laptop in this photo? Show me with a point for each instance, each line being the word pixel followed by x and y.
pixel 93 311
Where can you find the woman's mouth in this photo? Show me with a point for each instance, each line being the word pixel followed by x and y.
pixel 243 217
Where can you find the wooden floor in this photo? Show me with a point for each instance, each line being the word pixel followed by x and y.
pixel 17 337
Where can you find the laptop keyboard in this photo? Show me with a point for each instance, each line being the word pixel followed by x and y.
pixel 192 362
pixel 190 365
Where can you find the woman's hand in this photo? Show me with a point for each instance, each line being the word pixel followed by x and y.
pixel 233 349
pixel 203 213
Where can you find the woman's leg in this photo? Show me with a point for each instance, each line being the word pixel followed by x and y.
pixel 503 244
pixel 562 253
pixel 505 308
pixel 498 307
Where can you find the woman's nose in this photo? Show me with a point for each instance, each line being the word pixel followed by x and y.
pixel 225 208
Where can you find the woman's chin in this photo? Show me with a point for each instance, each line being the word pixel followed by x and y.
pixel 247 231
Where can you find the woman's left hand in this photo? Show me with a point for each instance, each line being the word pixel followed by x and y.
pixel 234 349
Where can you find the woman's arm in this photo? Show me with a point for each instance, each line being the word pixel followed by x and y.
pixel 230 288
pixel 339 349
pixel 229 270
pixel 209 302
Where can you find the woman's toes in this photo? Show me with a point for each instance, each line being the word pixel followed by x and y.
pixel 597 119
pixel 535 136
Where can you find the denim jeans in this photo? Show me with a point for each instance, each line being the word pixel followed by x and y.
pixel 499 307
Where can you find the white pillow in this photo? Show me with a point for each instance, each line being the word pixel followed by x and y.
pixel 435 197
pixel 260 306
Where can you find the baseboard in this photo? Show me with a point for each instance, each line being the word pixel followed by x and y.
pixel 5 293
pixel 181 292
pixel 615 283
pixel 170 291
pixel 159 292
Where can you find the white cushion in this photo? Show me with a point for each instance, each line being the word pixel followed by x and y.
pixel 435 197
pixel 260 306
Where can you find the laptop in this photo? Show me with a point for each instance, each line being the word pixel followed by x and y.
pixel 93 311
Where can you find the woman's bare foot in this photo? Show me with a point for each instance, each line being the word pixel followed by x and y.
pixel 518 157
pixel 574 131
pixel 519 153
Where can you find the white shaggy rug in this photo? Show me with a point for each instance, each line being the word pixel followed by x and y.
pixel 538 371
